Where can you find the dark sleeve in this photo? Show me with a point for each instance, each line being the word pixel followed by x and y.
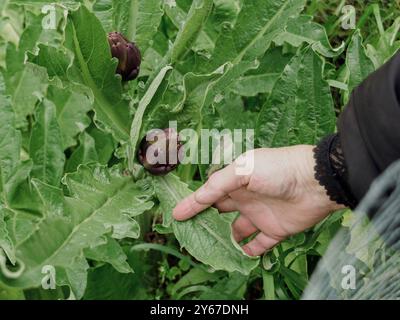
pixel 368 135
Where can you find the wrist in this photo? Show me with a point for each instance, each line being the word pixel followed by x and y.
pixel 313 185
pixel 330 170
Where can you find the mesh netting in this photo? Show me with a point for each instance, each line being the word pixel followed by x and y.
pixel 363 259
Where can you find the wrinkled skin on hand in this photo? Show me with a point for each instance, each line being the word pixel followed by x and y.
pixel 128 55
pixel 278 198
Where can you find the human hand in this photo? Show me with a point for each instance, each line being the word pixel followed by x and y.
pixel 279 198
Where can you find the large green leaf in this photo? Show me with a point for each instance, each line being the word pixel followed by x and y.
pixel 72 103
pixel 208 237
pixel 101 200
pixel 56 60
pixel 195 20
pixel 12 170
pixel 26 87
pixel 236 52
pixel 104 144
pixel 263 78
pixel 186 37
pixel 46 148
pixel 93 67
pixel 190 107
pixel 51 198
pixel 300 107
pixel 9 152
pixel 84 154
pixel 303 30
pixel 138 20
pixel 72 108
pixel 359 65
pixel 106 283
pixel 109 251
pixel 178 16
pixel 74 276
pixel 27 83
pixel 258 23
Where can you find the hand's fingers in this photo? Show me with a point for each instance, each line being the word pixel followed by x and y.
pixel 242 228
pixel 260 244
pixel 218 186
pixel 226 205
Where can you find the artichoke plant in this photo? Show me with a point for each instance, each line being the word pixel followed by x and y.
pixel 128 55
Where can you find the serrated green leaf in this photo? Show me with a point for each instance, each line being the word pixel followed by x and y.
pixel 208 237
pixel 138 20
pixel 106 283
pixel 258 23
pixel 45 147
pixel 303 30
pixel 101 200
pixel 105 144
pixel 111 252
pixel 74 276
pixel 178 17
pixel 26 87
pixel 9 152
pixel 187 35
pixel 27 83
pixel 300 107
pixel 358 64
pixel 93 67
pixel 12 170
pixel 51 197
pixel 56 60
pixel 72 107
pixel 72 103
pixel 196 17
pixel 84 154
pixel 263 78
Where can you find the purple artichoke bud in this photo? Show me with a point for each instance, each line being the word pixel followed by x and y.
pixel 128 55
pixel 160 151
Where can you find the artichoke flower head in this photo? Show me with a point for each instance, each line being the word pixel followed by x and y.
pixel 128 55
pixel 160 150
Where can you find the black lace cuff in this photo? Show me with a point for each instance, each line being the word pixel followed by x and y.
pixel 331 170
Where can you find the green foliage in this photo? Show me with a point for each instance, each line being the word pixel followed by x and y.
pixel 208 236
pixel 72 195
pixel 299 109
